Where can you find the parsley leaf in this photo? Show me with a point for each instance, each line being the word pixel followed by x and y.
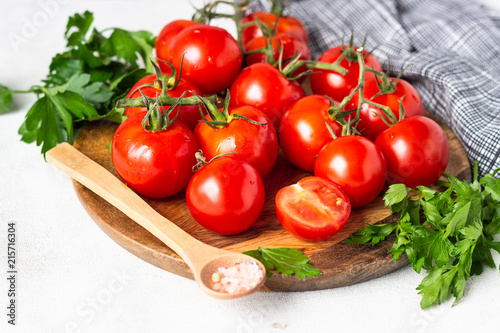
pixel 84 82
pixel 452 241
pixel 435 287
pixel 395 194
pixel 82 23
pixel 433 247
pixel 284 261
pixel 373 233
pixel 6 102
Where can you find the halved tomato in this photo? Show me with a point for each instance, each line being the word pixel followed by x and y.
pixel 313 209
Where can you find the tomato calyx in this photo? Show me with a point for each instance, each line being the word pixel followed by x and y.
pixel 386 85
pixel 349 52
pixel 220 118
pixel 163 82
pixel 336 113
pixel 347 128
pixel 157 118
pixel 167 82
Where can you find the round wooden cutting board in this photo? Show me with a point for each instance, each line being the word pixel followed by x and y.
pixel 340 264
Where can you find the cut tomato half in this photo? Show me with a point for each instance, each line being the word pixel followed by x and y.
pixel 313 209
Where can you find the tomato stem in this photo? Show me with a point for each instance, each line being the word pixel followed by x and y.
pixel 162 100
pixel 208 12
pixel 335 111
pixel 164 83
pixel 295 64
pixel 278 7
pixel 200 161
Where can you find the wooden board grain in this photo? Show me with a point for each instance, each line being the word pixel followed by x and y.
pixel 341 264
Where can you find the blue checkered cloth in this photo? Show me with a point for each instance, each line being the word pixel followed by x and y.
pixel 453 47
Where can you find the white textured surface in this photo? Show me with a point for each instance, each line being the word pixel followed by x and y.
pixel 73 278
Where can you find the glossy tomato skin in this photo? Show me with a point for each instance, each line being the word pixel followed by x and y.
pixel 189 114
pixel 333 84
pixel 289 43
pixel 314 209
pixel 303 132
pixel 212 57
pixel 370 124
pixel 156 165
pixel 356 164
pixel 226 196
pixel 416 150
pixel 166 37
pixel 288 24
pixel 262 86
pixel 256 144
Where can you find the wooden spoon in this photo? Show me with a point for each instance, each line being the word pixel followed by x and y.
pixel 201 258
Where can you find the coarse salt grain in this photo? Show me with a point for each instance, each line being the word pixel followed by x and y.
pixel 240 277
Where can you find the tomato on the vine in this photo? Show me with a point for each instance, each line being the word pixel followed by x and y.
pixel 254 143
pixel 288 24
pixel 313 209
pixel 416 150
pixel 370 124
pixel 189 114
pixel 303 130
pixel 290 45
pixel 211 58
pixel 336 85
pixel 264 87
pixel 356 164
pixel 226 196
pixel 154 164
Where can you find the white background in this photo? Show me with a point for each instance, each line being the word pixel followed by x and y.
pixel 73 278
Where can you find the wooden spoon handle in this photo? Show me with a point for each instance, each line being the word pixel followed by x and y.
pixel 103 183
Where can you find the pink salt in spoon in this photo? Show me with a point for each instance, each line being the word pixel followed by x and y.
pixel 204 260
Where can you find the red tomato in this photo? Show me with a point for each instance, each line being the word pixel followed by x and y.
pixel 189 114
pixel 285 24
pixel 256 144
pixel 416 151
pixel 289 43
pixel 265 88
pixel 165 38
pixel 356 164
pixel 335 85
pixel 226 196
pixel 212 57
pixel 313 209
pixel 370 124
pixel 154 164
pixel 303 131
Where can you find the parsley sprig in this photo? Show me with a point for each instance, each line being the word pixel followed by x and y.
pixel 284 261
pixel 452 240
pixel 84 82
